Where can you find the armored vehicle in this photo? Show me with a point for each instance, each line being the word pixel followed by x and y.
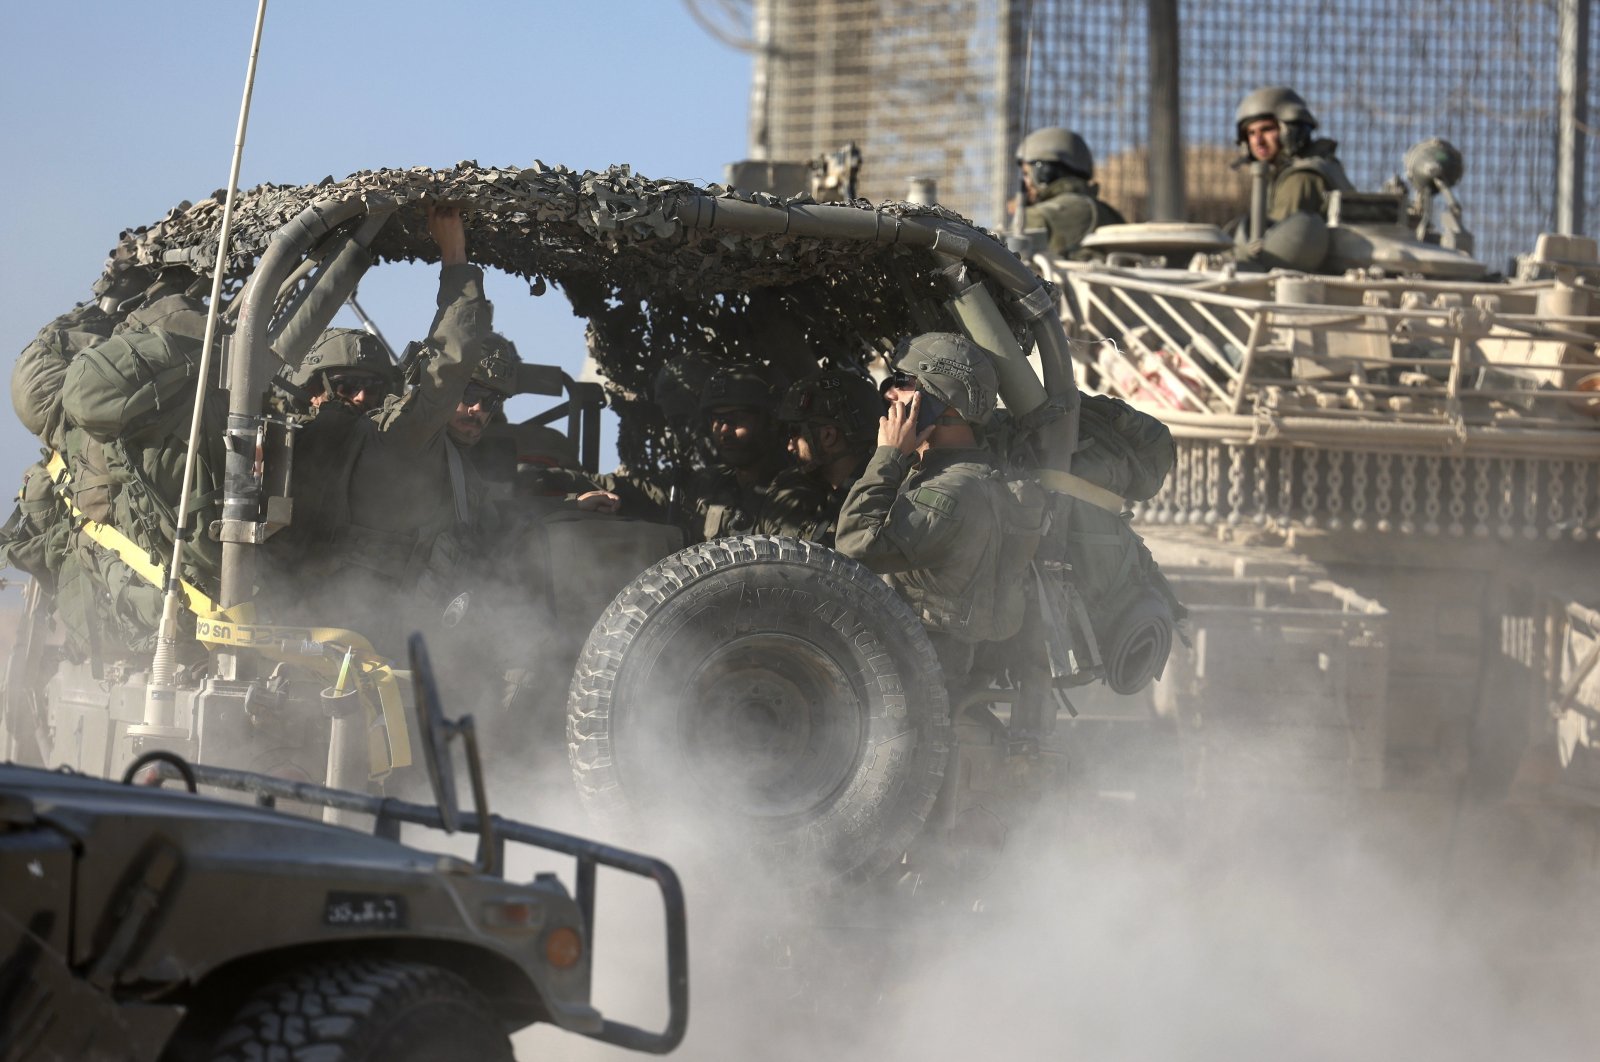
pixel 144 923
pixel 784 657
pixel 1383 508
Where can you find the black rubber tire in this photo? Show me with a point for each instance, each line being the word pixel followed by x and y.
pixel 728 687
pixel 358 1010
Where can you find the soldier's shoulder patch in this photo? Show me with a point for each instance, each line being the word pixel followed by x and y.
pixel 935 499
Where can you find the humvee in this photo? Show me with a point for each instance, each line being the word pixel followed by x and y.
pixel 142 923
pixel 782 656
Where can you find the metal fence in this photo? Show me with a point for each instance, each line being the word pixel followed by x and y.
pixel 944 87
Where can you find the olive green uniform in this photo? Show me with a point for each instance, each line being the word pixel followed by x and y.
pixel 397 510
pixel 721 505
pixel 929 526
pixel 1302 186
pixel 711 504
pixel 802 505
pixel 1297 204
pixel 1068 208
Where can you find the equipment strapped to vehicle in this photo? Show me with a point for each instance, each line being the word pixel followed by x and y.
pixel 1122 455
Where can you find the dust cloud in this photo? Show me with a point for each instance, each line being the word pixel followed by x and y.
pixel 1142 921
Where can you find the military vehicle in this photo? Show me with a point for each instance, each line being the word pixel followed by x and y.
pixel 1385 497
pixel 143 923
pixel 784 657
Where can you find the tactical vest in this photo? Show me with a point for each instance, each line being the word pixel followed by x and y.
pixel 1020 521
pixel 991 606
pixel 1070 203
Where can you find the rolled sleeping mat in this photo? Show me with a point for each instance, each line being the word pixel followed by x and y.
pixel 1137 645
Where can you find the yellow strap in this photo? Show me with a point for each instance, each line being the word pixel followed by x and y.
pixel 1080 488
pixel 126 549
pixel 388 733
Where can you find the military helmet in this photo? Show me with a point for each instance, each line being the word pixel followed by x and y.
pixel 740 387
pixel 679 384
pixel 1059 145
pixel 122 278
pixel 539 444
pixel 497 368
pixel 1275 101
pixel 346 348
pixel 834 397
pixel 953 369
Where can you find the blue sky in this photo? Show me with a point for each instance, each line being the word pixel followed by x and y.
pixel 112 113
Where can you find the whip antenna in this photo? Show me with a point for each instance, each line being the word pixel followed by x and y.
pixel 159 705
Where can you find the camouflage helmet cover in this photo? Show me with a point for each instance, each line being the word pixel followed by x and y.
pixel 834 397
pixel 739 387
pixel 346 348
pixel 1057 144
pixel 1273 101
pixel 953 369
pixel 497 368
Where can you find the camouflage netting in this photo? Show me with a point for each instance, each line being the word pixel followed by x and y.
pixel 649 289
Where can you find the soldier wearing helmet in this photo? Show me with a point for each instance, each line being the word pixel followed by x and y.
pixel 925 511
pixel 393 512
pixel 739 406
pixel 1275 128
pixel 484 398
pixel 832 419
pixel 1058 190
pixel 348 366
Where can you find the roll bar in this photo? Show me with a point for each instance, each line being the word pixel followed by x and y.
pixel 1032 303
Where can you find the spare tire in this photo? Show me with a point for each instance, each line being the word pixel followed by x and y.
pixel 770 694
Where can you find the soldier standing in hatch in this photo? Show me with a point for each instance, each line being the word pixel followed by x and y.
pixel 1058 189
pixel 923 513
pixel 832 420
pixel 1274 126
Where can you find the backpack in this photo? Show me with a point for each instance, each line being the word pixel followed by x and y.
pixel 1090 549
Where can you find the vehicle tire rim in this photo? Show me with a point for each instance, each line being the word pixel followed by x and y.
pixel 771 726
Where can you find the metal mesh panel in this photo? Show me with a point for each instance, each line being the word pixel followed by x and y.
pixel 915 83
pixel 920 87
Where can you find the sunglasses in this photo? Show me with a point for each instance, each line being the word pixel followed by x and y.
pixel 898 380
pixel 349 385
pixel 485 398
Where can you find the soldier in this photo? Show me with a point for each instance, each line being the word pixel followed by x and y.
pixel 927 510
pixel 350 366
pixel 736 407
pixel 832 420
pixel 398 513
pixel 739 406
pixel 484 400
pixel 1058 189
pixel 1274 126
